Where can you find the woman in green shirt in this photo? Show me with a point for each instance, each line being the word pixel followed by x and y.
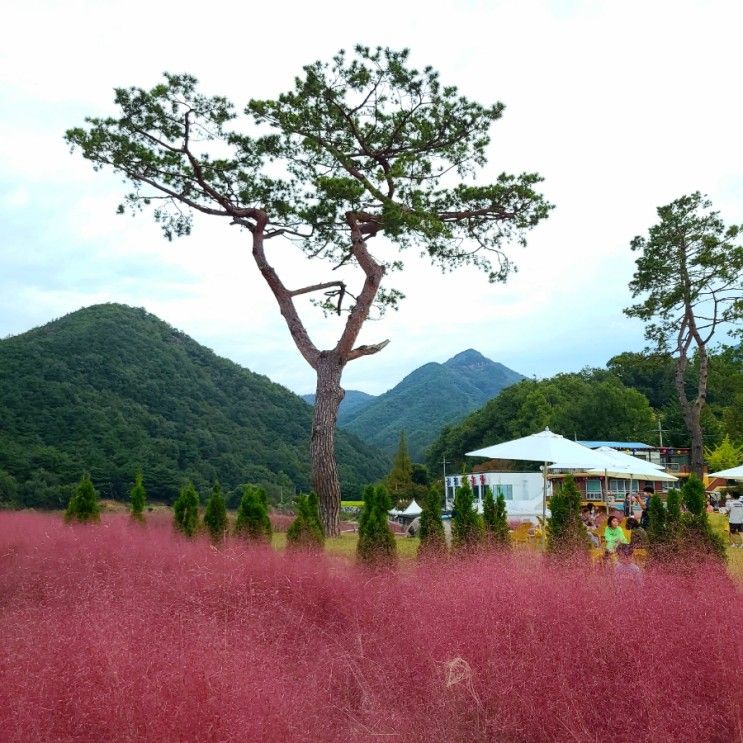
pixel 613 535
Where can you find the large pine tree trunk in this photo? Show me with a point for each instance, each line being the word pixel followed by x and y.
pixel 326 482
pixel 694 424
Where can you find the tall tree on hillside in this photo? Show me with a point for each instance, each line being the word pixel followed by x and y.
pixel 358 149
pixel 400 478
pixel 690 277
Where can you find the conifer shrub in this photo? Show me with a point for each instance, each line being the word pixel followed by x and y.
pixel 83 506
pixel 495 520
pixel 431 532
pixel 566 533
pixel 656 524
pixel 376 546
pixel 186 511
pixel 137 499
pixel 699 536
pixel 252 521
pixel 467 530
pixel 215 514
pixel 305 532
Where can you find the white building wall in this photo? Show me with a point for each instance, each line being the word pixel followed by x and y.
pixel 523 491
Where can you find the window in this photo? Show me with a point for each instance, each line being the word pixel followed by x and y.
pixel 507 491
pixel 593 486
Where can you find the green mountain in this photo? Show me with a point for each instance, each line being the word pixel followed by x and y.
pixel 429 398
pixel 109 389
pixel 351 404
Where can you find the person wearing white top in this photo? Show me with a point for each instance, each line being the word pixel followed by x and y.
pixel 735 519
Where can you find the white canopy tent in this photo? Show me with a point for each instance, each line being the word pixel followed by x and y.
pixel 412 510
pixel 734 473
pixel 622 465
pixel 546 447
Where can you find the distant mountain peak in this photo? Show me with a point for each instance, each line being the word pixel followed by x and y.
pixel 470 357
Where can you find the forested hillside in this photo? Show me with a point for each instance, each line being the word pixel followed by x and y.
pixel 110 389
pixel 353 401
pixel 427 399
pixel 624 402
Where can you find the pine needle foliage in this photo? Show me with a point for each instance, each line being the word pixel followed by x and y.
pixel 376 546
pixel 215 514
pixel 699 535
pixel 467 529
pixel 495 519
pixel 252 516
pixel 656 523
pixel 305 532
pixel 186 511
pixel 137 498
pixel 566 533
pixel 431 532
pixel 83 506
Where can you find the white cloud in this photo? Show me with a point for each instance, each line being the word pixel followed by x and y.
pixel 621 106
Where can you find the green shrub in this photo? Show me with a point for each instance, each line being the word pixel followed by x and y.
pixel 252 517
pixel 566 533
pixel 215 514
pixel 138 498
pixel 431 532
pixel 305 532
pixel 376 546
pixel 495 519
pixel 467 530
pixel 186 511
pixel 83 506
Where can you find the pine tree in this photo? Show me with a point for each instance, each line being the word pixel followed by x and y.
pixel 314 507
pixel 700 537
pixel 400 479
pixel 495 519
pixel 305 531
pixel 431 532
pixel 215 514
pixel 376 546
pixel 466 529
pixel 657 534
pixel 252 515
pixel 566 533
pixel 83 506
pixel 186 511
pixel 138 498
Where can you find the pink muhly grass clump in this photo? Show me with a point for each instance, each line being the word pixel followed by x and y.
pixel 121 631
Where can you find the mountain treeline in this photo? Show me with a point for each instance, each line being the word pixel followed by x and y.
pixel 624 402
pixel 111 389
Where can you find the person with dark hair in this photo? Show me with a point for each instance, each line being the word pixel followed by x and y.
pixel 613 535
pixel 638 535
pixel 626 567
pixel 648 491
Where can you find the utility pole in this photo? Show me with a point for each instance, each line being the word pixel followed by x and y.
pixel 660 434
pixel 444 462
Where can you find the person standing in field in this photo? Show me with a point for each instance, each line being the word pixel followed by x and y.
pixel 735 520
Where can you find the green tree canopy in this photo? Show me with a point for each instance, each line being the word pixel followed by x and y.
pixel 689 278
pixel 358 149
pixel 215 514
pixel 376 546
pixel 83 506
pixel 186 511
pixel 252 520
pixel 566 533
pixel 138 498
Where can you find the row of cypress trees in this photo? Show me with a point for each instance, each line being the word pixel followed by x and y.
pixel 470 531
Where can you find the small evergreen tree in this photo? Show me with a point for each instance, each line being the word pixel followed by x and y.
pixel 431 532
pixel 215 514
pixel 305 531
pixel 314 510
pixel 700 537
pixel 656 524
pixel 376 546
pixel 495 519
pixel 186 511
pixel 566 533
pixel 400 479
pixel 83 506
pixel 466 528
pixel 673 508
pixel 138 498
pixel 252 515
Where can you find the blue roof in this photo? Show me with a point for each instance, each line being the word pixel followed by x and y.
pixel 616 444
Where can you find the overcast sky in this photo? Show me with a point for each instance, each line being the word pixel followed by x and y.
pixel 622 106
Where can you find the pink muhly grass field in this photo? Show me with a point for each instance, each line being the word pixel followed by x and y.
pixel 120 632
